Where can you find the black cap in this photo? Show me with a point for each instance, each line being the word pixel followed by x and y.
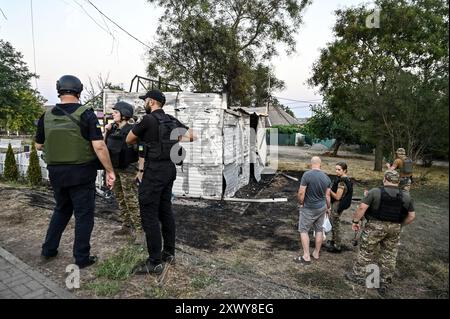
pixel 156 95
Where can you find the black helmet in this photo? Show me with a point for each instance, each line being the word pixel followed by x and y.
pixel 125 109
pixel 69 84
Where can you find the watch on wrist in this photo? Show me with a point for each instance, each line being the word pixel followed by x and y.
pixel 355 222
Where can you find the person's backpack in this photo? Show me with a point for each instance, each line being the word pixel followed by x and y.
pixel 346 200
pixel 167 147
pixel 407 168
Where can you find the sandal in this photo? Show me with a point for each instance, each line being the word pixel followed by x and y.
pixel 301 260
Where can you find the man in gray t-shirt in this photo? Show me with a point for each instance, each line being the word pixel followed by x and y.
pixel 315 202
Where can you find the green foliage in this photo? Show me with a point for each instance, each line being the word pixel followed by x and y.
pixel 34 174
pixel 202 280
pixel 390 82
pixel 326 124
pixel 120 266
pixel 10 172
pixel 220 46
pixel 20 105
pixel 104 288
pixel 287 129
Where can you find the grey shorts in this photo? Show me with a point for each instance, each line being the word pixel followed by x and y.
pixel 311 219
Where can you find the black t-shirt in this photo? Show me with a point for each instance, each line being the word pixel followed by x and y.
pixel 71 175
pixel 147 130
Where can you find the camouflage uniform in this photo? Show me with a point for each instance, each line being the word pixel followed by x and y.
pixel 335 219
pixel 405 183
pixel 405 180
pixel 380 239
pixel 125 190
pixel 378 245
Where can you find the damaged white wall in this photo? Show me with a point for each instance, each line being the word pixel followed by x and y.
pixel 218 163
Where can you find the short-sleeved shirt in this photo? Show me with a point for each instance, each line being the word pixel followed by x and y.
pixel 317 183
pixel 343 186
pixel 373 198
pixel 147 130
pixel 71 175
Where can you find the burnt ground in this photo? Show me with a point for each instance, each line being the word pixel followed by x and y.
pixel 234 250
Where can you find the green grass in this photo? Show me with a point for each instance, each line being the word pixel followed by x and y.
pixel 323 280
pixel 202 280
pixel 120 266
pixel 157 293
pixel 104 288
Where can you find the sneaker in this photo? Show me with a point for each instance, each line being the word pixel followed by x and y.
pixel 329 244
pixel 168 258
pixel 148 268
pixel 91 260
pixel 333 249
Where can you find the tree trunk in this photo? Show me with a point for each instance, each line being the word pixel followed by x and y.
pixel 379 156
pixel 336 146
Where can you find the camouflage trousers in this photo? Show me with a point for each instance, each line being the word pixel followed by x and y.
pixel 378 246
pixel 335 220
pixel 125 190
pixel 405 183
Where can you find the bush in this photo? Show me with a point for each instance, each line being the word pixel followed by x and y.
pixel 11 173
pixel 34 174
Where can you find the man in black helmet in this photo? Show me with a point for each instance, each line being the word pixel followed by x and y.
pixel 160 133
pixel 71 138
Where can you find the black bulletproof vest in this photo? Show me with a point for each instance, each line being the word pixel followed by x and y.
pixel 120 153
pixel 391 208
pixel 167 143
pixel 346 201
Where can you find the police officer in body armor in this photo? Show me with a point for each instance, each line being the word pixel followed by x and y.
pixel 387 209
pixel 124 159
pixel 160 133
pixel 404 166
pixel 71 138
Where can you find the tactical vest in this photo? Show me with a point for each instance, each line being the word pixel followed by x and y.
pixel 167 146
pixel 346 201
pixel 407 167
pixel 64 144
pixel 120 153
pixel 391 208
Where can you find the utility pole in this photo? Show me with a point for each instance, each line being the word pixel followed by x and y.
pixel 268 92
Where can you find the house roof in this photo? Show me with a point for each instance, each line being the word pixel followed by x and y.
pixel 276 116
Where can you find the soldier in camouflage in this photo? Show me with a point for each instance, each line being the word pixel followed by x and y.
pixel 387 209
pixel 404 165
pixel 124 159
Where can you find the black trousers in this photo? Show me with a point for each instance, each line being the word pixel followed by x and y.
pixel 80 201
pixel 155 201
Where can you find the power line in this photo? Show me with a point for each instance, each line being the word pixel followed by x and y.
pixel 34 44
pixel 299 101
pixel 3 14
pixel 95 21
pixel 117 25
